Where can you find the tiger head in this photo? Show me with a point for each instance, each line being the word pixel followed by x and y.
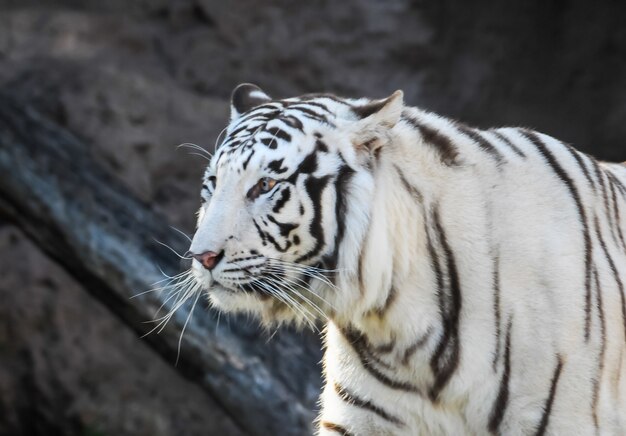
pixel 286 202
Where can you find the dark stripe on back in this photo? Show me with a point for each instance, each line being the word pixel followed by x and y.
pixel 496 309
pixel 508 142
pixel 613 268
pixel 353 400
pixel 501 403
pixel 618 218
pixel 482 142
pixel 617 182
pixel 596 381
pixel 569 183
pixel 579 160
pixel 547 408
pixel 432 136
pixel 600 176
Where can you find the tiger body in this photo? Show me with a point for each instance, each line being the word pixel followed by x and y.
pixel 473 281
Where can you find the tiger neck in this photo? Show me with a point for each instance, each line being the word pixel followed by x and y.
pixel 394 278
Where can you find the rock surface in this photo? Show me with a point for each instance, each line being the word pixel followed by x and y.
pixel 70 368
pixel 135 79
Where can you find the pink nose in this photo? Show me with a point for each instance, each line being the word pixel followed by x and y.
pixel 208 259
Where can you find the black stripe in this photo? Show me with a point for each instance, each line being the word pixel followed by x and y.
pixel 596 381
pixel 579 160
pixel 313 115
pixel 353 400
pixel 617 182
pixel 412 190
pixel 336 428
pixel 342 180
pixel 314 188
pixel 285 195
pixel 419 343
pixel 616 275
pixel 293 122
pixel 363 347
pixel 270 142
pixel 392 294
pixel 261 233
pixel 501 403
pixel 569 183
pixel 367 359
pixel 600 176
pixel 312 103
pixel 360 267
pixel 276 166
pixel 283 228
pixel 316 95
pixel 446 357
pixel 508 142
pixel 279 133
pixel 618 218
pixel 496 309
pixel 432 136
pixel 547 408
pixel 307 166
pixel 482 142
pixel 247 161
pixel 321 146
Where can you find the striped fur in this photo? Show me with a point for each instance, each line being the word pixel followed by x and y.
pixel 471 281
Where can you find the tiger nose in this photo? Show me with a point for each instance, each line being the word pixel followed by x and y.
pixel 208 259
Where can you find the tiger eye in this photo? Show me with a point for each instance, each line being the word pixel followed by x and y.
pixel 266 184
pixel 263 186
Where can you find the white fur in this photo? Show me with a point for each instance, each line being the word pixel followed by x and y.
pixel 517 211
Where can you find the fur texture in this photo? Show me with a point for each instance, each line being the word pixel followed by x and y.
pixel 471 281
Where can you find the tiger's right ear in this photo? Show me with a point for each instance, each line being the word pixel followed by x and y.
pixel 245 97
pixel 374 120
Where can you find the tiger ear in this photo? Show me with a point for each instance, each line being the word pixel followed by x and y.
pixel 245 97
pixel 374 119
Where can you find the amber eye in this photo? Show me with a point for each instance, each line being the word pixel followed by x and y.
pixel 266 184
pixel 262 186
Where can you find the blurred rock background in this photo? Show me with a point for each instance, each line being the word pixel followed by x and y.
pixel 134 79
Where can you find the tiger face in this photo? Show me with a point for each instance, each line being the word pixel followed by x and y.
pixel 289 174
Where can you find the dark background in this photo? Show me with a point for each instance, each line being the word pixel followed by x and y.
pixel 133 79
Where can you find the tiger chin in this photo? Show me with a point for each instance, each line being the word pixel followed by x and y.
pixel 471 281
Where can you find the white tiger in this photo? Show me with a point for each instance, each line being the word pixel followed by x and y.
pixel 472 281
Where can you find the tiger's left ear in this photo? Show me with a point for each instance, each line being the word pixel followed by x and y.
pixel 375 119
pixel 245 97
